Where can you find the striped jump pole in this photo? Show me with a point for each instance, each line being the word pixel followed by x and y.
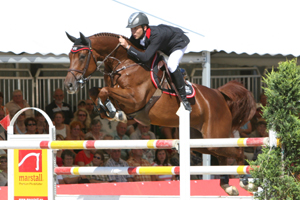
pixel 134 144
pixel 230 142
pixel 91 144
pixel 151 170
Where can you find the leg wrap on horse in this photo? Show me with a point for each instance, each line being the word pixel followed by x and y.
pixel 179 83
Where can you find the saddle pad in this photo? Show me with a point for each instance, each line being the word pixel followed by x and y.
pixel 189 88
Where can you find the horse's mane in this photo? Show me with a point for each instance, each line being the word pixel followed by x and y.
pixel 109 35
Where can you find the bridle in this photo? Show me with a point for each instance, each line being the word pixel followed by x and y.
pixel 76 49
pixel 82 80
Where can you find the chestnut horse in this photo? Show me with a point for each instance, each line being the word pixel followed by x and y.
pixel 215 112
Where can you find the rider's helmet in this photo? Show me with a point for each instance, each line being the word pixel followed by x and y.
pixel 137 19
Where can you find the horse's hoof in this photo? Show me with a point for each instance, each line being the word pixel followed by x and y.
pixel 230 190
pixel 249 187
pixel 122 117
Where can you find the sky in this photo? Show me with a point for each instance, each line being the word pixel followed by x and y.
pixel 263 27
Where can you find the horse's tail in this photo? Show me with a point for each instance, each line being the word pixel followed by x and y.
pixel 240 102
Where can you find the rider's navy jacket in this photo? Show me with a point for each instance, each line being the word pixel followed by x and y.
pixel 163 38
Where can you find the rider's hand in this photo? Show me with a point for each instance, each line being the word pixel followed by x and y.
pixel 123 42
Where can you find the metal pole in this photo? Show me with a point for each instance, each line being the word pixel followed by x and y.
pixel 206 82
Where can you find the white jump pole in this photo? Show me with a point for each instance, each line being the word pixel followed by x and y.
pixel 184 152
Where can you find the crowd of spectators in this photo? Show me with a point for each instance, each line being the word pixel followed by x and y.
pixel 85 124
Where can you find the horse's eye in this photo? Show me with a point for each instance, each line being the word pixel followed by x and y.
pixel 82 56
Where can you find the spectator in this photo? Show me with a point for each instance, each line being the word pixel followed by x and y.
pixel 108 126
pixel 84 156
pixel 119 134
pixel 83 116
pixel 1 101
pixel 131 126
pixel 106 152
pixel 41 123
pixel 115 160
pixel 245 130
pixel 3 170
pixel 18 103
pixel 161 159
pixel 137 134
pixel 136 160
pixel 2 115
pixel 98 161
pixel 81 104
pixel 90 108
pixel 19 126
pixel 59 151
pixel 75 131
pixel 263 99
pixel 59 179
pixel 68 161
pixel 61 128
pixel 148 154
pixel 261 131
pixel 95 130
pixel 30 124
pixel 257 116
pixel 58 105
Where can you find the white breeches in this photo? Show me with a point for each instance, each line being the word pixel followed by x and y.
pixel 174 59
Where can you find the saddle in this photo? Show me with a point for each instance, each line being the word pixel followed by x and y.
pixel 162 80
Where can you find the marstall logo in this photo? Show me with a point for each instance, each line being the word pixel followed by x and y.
pixel 30 160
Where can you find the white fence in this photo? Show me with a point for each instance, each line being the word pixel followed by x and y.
pixel 38 90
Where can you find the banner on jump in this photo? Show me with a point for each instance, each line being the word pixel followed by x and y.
pixel 31 178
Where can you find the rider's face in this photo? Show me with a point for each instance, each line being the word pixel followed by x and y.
pixel 137 32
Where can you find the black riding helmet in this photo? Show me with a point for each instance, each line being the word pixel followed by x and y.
pixel 137 19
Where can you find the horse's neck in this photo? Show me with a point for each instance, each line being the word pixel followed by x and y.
pixel 106 45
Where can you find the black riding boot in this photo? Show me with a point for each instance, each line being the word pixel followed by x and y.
pixel 177 79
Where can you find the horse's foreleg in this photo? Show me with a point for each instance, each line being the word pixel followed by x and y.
pixel 102 98
pixel 224 180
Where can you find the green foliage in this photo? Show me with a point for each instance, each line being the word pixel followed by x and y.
pixel 279 167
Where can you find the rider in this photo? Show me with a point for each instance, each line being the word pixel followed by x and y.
pixel 170 40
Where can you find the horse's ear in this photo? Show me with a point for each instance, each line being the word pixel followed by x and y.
pixel 71 37
pixel 83 39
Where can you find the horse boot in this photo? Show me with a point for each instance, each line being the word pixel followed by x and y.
pixel 113 113
pixel 179 83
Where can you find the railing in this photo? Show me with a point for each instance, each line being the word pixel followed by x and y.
pixel 13 79
pixel 38 90
pixel 47 80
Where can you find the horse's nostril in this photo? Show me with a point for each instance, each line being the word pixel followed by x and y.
pixel 70 85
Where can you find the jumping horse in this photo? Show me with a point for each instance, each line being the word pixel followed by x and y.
pixel 129 88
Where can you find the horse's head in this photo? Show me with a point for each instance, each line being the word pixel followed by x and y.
pixel 82 63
